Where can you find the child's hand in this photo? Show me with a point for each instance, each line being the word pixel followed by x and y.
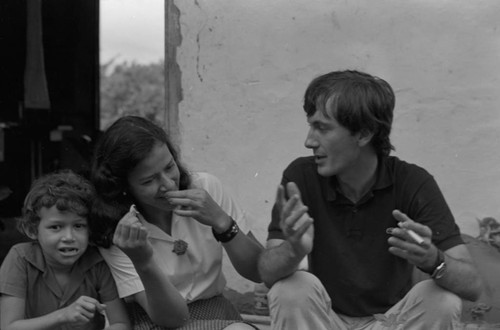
pixel 82 311
pixel 131 236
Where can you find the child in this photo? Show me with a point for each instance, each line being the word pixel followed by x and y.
pixel 58 281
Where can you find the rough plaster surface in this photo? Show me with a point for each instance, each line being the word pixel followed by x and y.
pixel 245 66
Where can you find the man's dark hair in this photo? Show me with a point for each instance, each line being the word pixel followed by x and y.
pixel 358 101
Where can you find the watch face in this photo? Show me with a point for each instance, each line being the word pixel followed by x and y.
pixel 439 271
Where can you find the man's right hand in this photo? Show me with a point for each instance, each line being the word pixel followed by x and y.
pixel 295 223
pixel 131 236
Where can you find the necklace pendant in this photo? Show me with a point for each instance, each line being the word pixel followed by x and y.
pixel 180 247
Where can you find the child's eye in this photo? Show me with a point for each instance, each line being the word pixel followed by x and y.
pixel 55 227
pixel 80 226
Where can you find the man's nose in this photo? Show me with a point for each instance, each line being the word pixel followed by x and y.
pixel 310 141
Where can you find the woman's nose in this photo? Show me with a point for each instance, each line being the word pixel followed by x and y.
pixel 167 183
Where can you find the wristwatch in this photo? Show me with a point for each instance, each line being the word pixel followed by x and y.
pixel 229 234
pixel 441 266
pixel 438 269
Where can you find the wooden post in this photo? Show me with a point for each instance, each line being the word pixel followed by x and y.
pixel 173 86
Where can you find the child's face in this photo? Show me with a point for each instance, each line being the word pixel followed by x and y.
pixel 63 237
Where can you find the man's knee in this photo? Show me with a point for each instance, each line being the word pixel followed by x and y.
pixel 296 289
pixel 437 299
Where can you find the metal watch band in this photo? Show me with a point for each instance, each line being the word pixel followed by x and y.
pixel 439 262
pixel 440 269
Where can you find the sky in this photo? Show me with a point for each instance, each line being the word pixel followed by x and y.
pixel 132 30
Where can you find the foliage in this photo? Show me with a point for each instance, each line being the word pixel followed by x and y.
pixel 131 89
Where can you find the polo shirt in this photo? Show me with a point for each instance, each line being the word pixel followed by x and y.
pixel 25 274
pixel 350 250
pixel 197 274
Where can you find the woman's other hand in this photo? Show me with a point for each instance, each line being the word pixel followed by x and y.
pixel 131 236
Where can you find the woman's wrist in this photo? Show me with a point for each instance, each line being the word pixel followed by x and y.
pixel 228 234
pixel 224 225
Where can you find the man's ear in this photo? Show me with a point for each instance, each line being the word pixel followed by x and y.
pixel 364 137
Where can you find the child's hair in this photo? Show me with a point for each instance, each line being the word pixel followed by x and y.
pixel 65 189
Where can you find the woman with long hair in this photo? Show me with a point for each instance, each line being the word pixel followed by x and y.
pixel 162 230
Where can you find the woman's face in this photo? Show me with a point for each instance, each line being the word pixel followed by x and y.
pixel 153 177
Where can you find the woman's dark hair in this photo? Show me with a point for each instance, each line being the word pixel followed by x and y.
pixel 358 101
pixel 118 151
pixel 66 190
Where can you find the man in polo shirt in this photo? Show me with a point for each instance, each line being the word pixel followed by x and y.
pixel 364 220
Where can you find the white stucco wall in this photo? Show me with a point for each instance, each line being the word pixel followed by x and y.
pixel 245 65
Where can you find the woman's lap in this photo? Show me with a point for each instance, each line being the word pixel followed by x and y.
pixel 209 314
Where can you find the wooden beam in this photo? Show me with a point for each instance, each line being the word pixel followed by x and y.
pixel 173 86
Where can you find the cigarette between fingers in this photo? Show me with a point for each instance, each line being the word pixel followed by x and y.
pixel 416 237
pixel 102 309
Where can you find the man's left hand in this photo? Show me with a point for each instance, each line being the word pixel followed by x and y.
pixel 401 243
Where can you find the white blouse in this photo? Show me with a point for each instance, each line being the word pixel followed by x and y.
pixel 197 274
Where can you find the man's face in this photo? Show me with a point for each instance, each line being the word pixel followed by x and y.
pixel 336 150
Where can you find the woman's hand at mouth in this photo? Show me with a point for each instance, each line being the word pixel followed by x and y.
pixel 198 204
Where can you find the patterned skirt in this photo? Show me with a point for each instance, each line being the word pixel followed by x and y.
pixel 209 314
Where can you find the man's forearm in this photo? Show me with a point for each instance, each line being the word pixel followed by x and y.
pixel 461 278
pixel 278 262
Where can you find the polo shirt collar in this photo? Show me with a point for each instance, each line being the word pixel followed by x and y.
pixel 384 180
pixel 90 258
pixel 35 257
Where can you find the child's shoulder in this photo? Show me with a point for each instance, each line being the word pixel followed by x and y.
pixel 26 252
pixel 91 258
pixel 26 248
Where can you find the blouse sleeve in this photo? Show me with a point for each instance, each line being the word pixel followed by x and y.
pixel 123 271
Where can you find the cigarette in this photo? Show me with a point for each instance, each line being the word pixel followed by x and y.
pixel 133 209
pixel 416 237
